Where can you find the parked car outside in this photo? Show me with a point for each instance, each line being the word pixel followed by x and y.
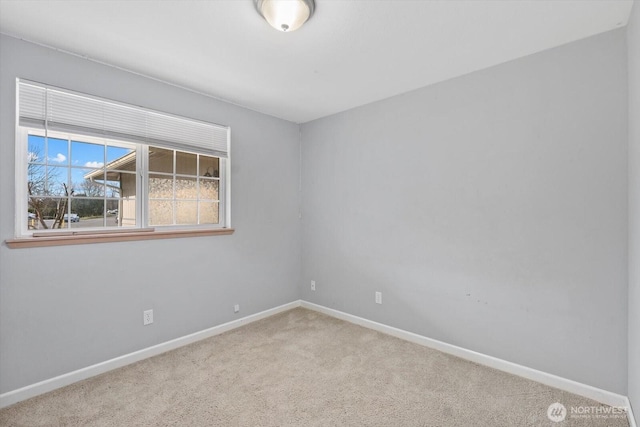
pixel 71 217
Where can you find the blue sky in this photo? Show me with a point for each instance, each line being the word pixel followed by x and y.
pixel 82 157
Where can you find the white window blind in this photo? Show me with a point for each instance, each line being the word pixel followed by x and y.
pixel 58 109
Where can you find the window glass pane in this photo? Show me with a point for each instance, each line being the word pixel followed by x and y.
pixel 87 182
pixel 84 154
pixel 57 181
pixel 43 211
pixel 209 189
pixel 114 188
pixel 86 213
pixel 186 163
pixel 121 159
pixel 209 166
pixel 58 151
pixel 160 187
pixel 160 212
pixel 186 188
pixel 209 213
pixel 89 187
pixel 50 209
pixel 113 209
pixel 126 213
pixel 33 220
pixel 127 210
pixel 36 179
pixel 36 149
pixel 120 184
pixel 186 212
pixel 160 160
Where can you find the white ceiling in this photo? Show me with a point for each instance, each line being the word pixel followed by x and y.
pixel 350 52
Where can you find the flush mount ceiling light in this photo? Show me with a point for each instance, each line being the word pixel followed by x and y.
pixel 285 15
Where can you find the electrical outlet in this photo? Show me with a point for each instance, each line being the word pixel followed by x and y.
pixel 313 285
pixel 236 308
pixel 147 317
pixel 378 297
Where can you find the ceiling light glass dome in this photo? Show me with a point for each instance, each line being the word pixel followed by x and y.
pixel 285 15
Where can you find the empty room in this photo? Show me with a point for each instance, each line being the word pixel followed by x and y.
pixel 320 213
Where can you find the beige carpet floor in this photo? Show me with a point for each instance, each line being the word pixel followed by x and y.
pixel 301 368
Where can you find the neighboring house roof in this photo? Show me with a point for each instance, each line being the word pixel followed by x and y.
pixel 124 163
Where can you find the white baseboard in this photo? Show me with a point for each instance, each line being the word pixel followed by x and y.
pixel 599 395
pixel 45 386
pixel 571 386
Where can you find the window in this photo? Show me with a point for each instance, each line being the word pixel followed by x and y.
pixel 75 182
pixel 184 188
pixel 93 164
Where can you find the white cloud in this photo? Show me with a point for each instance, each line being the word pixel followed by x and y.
pixel 94 164
pixel 32 157
pixel 59 158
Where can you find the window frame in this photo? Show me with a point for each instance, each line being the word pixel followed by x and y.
pixel 222 192
pixel 142 187
pixel 22 159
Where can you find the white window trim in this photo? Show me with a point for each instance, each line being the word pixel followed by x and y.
pixel 142 176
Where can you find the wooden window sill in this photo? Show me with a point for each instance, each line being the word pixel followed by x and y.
pixel 63 240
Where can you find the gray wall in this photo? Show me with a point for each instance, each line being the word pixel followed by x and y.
pixel 490 211
pixel 633 43
pixel 68 307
